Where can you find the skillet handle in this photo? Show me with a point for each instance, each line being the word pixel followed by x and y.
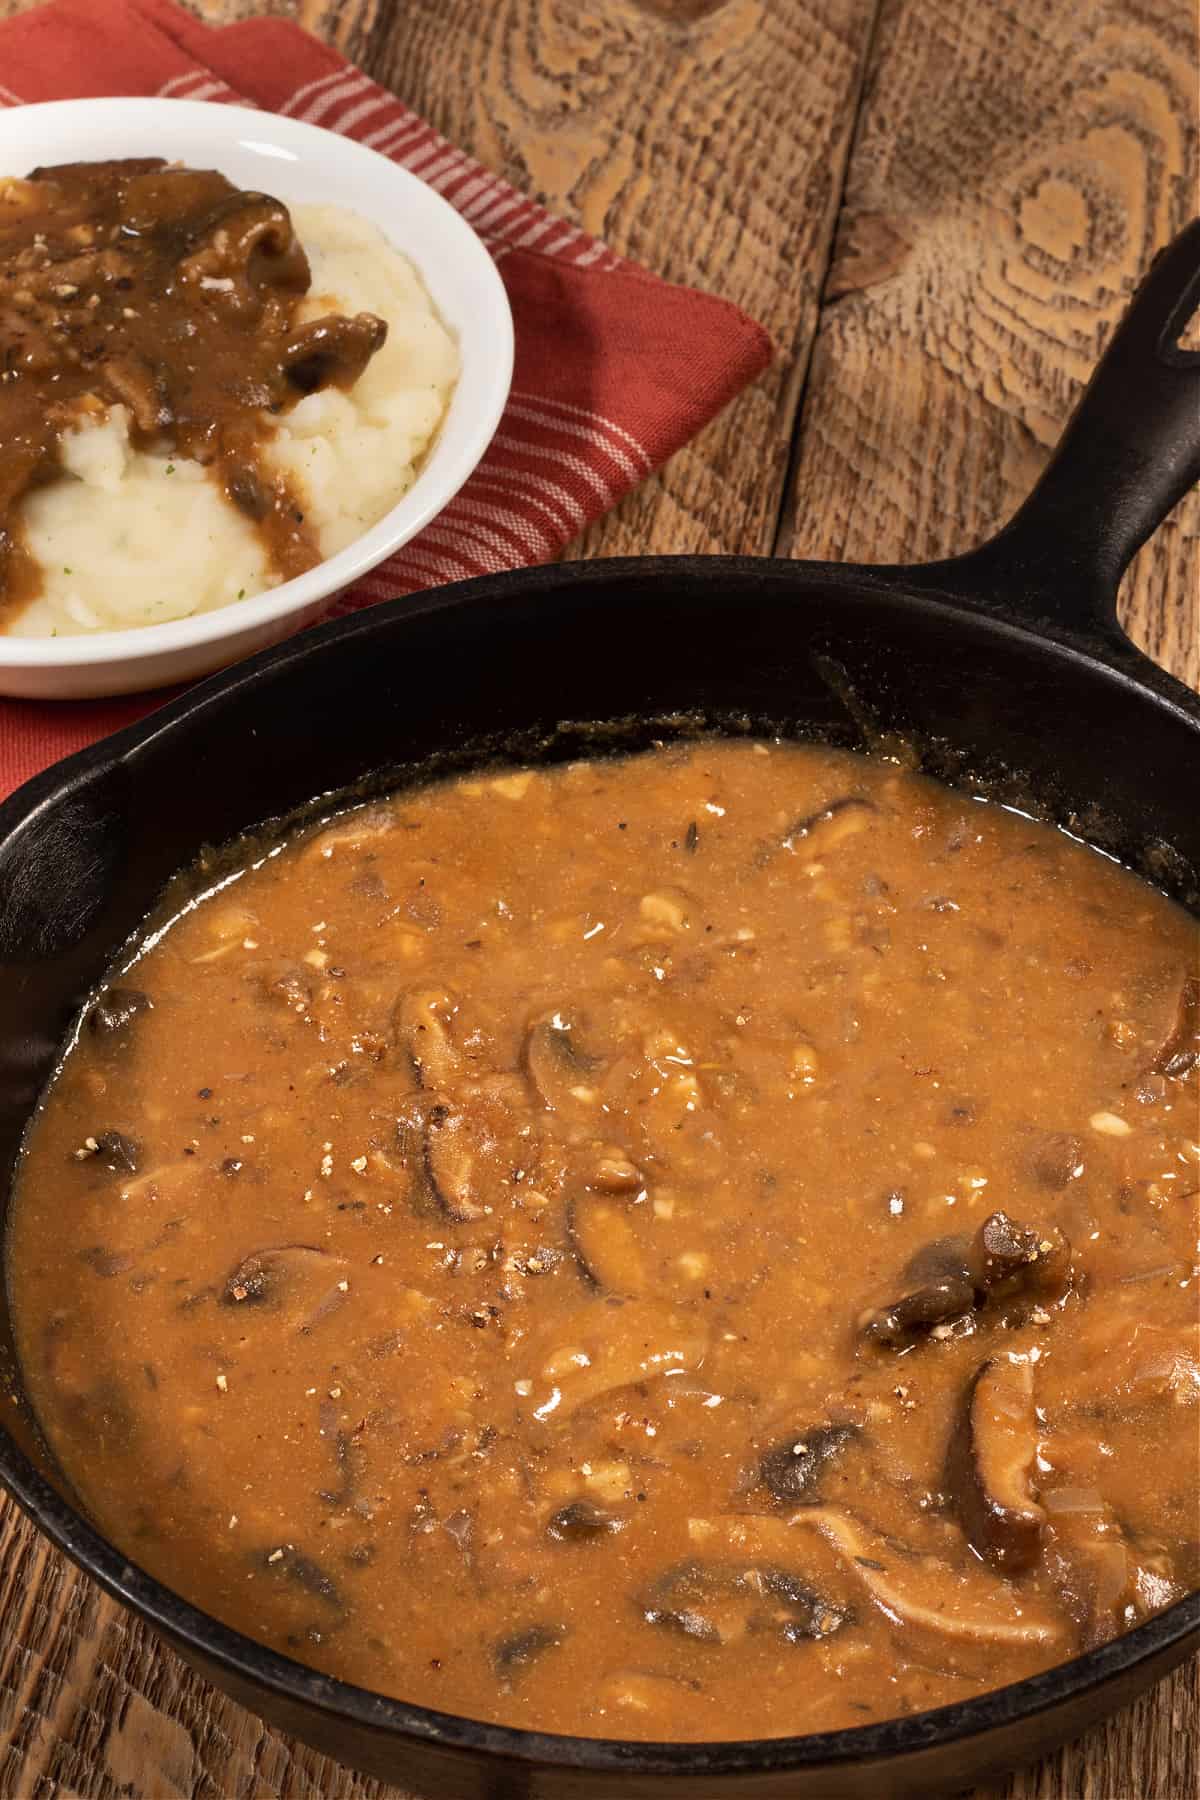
pixel 1130 451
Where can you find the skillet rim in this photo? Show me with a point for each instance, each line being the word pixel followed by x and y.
pixel 1109 656
pixel 923 586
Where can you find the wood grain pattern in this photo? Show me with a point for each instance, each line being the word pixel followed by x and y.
pixel 1013 171
pixel 938 208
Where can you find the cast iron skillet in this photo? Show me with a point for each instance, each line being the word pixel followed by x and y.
pixel 1005 666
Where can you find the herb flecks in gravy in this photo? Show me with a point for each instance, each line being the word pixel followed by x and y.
pixel 171 293
pixel 700 1245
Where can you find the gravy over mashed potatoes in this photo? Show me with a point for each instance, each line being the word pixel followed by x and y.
pixel 244 479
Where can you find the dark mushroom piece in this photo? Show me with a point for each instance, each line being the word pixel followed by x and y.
pixel 1007 1257
pixel 941 1259
pixel 1003 1259
pixel 107 1262
pixel 791 1470
pixel 989 1464
pixel 1180 1051
pixel 292 1275
pixel 1056 1160
pixel 914 1315
pixel 286 1563
pixel 581 1522
pixel 103 1417
pixel 114 1151
pixel 720 1603
pixel 519 1650
pixel 120 1154
pixel 249 493
pixel 114 1012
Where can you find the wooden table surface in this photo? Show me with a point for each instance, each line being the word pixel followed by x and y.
pixel 937 208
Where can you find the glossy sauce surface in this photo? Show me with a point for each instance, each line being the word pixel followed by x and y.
pixel 695 1246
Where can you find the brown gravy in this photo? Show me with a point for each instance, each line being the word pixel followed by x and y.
pixel 696 1246
pixel 170 292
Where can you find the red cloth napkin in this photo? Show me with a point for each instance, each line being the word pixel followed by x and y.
pixel 615 368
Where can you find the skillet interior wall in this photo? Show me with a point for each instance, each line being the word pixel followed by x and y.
pixel 766 646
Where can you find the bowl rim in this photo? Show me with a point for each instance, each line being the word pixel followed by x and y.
pixel 203 1637
pixel 225 121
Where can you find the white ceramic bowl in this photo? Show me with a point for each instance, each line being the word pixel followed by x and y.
pixel 297 163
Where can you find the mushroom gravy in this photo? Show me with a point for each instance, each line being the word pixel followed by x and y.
pixel 698 1245
pixel 169 292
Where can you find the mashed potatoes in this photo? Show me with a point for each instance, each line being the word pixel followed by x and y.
pixel 129 538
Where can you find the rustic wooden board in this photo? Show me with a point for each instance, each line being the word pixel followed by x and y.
pixel 937 207
pixel 1014 168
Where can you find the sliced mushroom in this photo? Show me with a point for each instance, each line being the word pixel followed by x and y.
pixel 989 1464
pixel 248 237
pixel 299 1279
pixel 140 387
pixel 333 351
pixel 583 1360
pixel 114 1012
pixel 452 1162
pixel 791 1470
pixel 1180 1051
pixel 519 1650
pixel 423 1033
pixel 721 1603
pixel 560 1069
pixel 605 1245
pixel 923 1593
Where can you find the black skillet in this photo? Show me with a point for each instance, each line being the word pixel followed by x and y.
pixel 1005 667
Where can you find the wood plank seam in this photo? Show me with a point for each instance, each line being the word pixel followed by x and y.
pixel 797 389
